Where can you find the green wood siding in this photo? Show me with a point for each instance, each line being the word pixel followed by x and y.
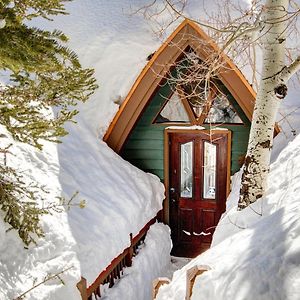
pixel 145 145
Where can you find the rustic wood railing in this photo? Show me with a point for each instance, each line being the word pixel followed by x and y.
pixel 115 270
pixel 191 275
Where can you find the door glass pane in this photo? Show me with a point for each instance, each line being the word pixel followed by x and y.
pixel 186 170
pixel 209 170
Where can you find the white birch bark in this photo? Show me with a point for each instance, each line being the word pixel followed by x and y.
pixel 271 91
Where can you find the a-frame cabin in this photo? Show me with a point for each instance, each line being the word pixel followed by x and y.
pixel 193 151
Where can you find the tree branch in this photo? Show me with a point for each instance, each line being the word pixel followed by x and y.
pixel 57 275
pixel 290 70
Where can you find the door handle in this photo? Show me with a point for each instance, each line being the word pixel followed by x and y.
pixel 172 190
pixel 173 200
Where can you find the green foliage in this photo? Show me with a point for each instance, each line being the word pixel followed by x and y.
pixel 44 74
pixel 19 205
pixel 17 11
pixel 18 201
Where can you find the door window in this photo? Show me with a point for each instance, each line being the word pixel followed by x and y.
pixel 209 170
pixel 186 170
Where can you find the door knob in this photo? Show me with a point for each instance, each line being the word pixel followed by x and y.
pixel 173 200
pixel 172 190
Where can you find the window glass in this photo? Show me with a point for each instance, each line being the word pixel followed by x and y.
pixel 222 112
pixel 186 170
pixel 209 171
pixel 173 111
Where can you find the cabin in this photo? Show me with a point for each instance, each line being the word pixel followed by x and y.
pixel 193 143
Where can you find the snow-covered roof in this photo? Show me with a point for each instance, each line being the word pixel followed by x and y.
pixel 187 34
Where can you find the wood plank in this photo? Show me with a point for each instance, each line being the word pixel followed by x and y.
pixel 191 275
pixel 150 164
pixel 145 144
pixel 141 134
pixel 157 283
pixel 140 154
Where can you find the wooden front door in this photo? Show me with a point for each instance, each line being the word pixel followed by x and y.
pixel 198 178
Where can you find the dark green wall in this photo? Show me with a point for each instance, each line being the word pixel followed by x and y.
pixel 145 145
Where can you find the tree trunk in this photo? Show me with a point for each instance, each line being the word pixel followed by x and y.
pixel 272 89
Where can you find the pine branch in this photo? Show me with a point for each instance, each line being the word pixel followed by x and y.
pixel 44 73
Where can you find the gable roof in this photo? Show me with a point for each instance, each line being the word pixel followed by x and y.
pixel 186 34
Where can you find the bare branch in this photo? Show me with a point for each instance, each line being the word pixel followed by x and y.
pixel 48 278
pixel 290 70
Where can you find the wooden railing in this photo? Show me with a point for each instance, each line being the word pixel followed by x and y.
pixel 191 275
pixel 115 270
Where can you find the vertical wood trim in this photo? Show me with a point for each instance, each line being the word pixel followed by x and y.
pixel 191 275
pixel 82 287
pixel 229 141
pixel 166 204
pixel 187 107
pixel 157 283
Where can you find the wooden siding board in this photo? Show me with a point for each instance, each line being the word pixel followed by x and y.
pixel 141 154
pixel 147 145
pixel 149 134
pixel 156 164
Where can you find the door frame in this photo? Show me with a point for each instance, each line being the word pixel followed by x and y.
pixel 184 129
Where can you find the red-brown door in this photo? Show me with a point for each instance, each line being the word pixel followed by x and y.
pixel 198 186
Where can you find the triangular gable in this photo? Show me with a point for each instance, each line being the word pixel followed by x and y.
pixel 186 34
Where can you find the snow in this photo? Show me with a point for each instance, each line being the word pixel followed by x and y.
pixel 22 268
pixel 109 37
pixel 255 252
pixel 152 261
pixel 193 127
pixel 121 199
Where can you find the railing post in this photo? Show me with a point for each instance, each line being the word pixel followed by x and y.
pixel 191 275
pixel 81 285
pixel 130 252
pixel 157 283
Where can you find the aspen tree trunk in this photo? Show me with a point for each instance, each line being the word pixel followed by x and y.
pixel 272 89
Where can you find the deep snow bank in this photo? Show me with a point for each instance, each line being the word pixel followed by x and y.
pixel 20 269
pixel 121 199
pixel 260 256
